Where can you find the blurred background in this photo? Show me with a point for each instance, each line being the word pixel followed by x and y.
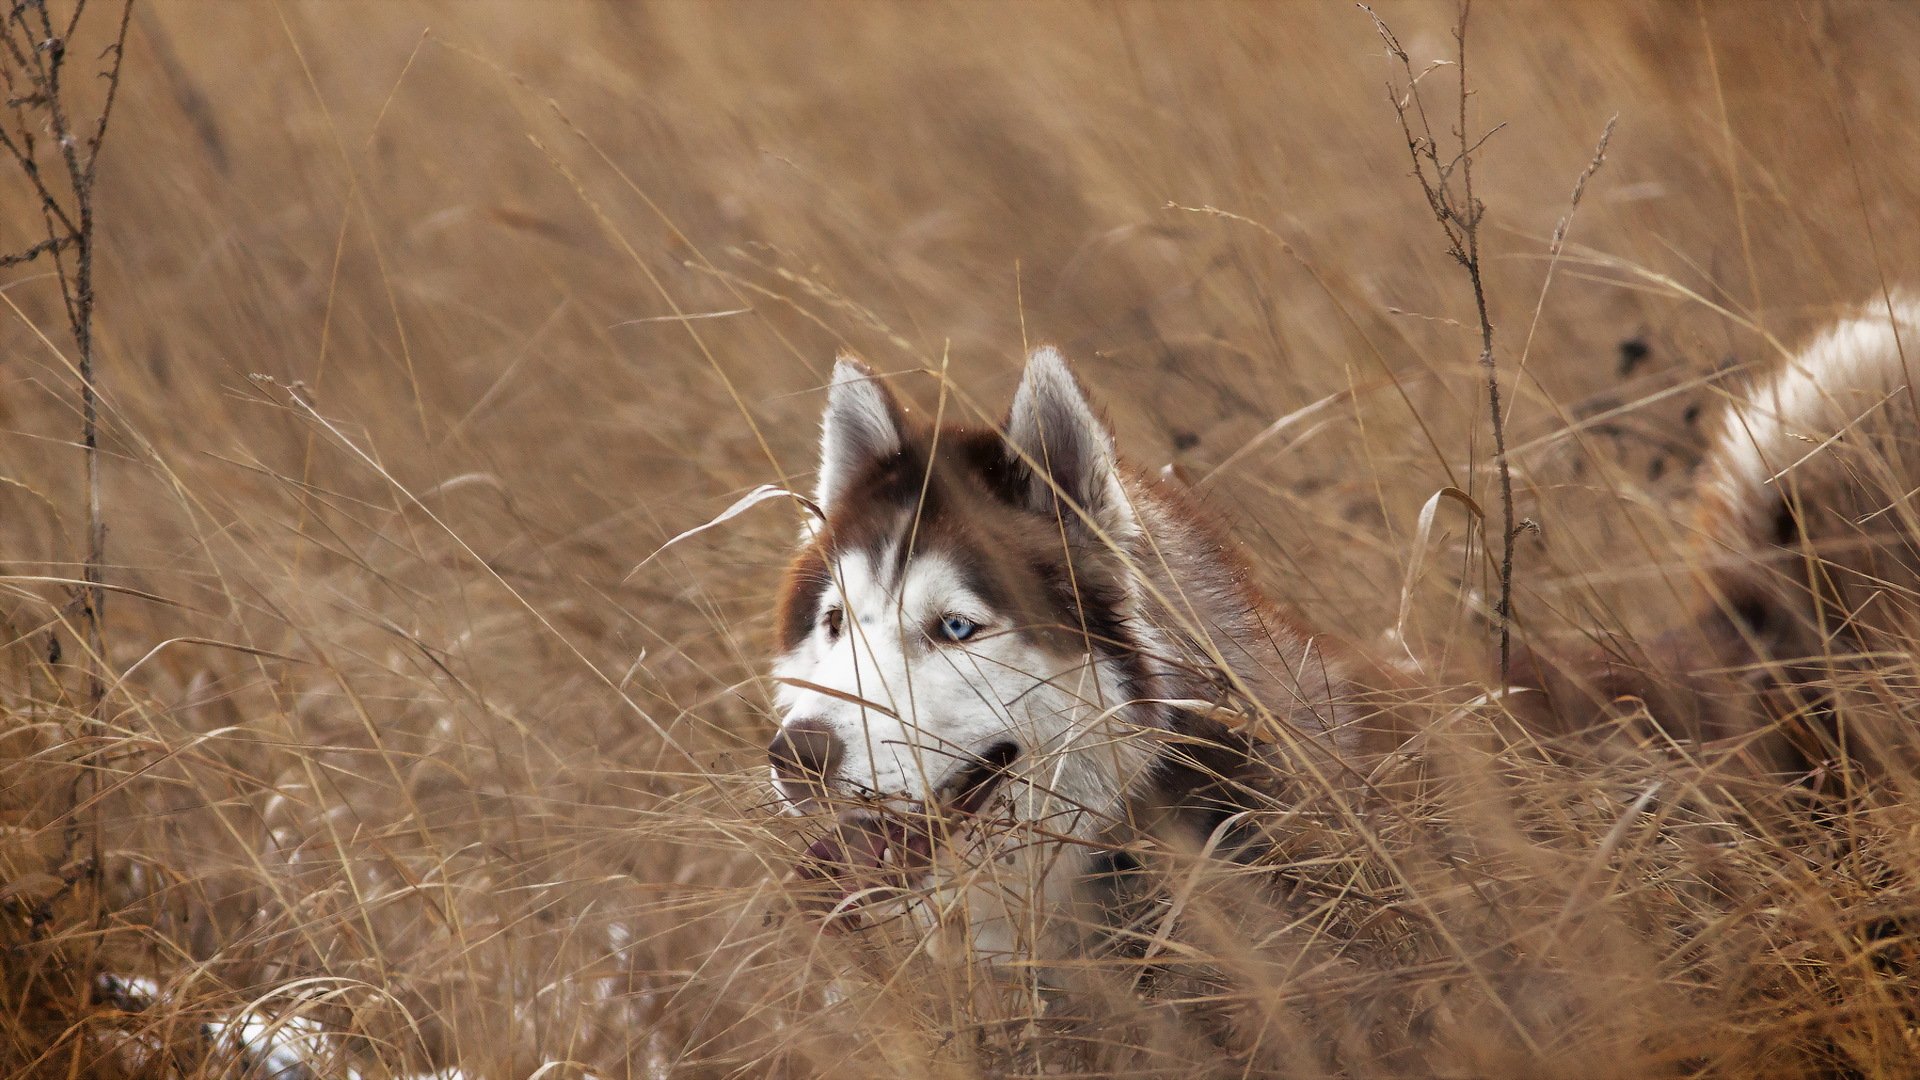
pixel 421 326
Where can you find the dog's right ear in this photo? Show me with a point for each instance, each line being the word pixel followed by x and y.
pixel 1066 451
pixel 862 426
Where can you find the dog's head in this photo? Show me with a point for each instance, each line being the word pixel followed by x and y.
pixel 958 638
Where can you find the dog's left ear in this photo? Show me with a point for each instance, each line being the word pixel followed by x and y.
pixel 1066 451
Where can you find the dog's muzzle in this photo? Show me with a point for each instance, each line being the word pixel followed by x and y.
pixel 878 850
pixel 805 755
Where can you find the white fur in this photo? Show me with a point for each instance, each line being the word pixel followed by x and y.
pixel 1855 367
pixel 950 702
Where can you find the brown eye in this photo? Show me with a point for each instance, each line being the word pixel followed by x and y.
pixel 832 619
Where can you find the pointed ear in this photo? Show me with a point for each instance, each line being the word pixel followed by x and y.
pixel 862 426
pixel 1066 448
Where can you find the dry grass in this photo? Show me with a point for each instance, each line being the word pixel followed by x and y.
pixel 414 342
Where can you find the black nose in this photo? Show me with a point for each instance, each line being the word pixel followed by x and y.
pixel 805 755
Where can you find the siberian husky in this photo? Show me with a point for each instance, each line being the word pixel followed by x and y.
pixel 1003 655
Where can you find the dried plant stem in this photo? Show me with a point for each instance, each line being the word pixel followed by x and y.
pixel 33 70
pixel 34 50
pixel 1448 185
pixel 1496 415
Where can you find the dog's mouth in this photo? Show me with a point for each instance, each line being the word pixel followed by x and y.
pixel 872 854
pixel 968 791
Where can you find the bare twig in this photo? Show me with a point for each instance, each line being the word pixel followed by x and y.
pixel 51 245
pixel 33 69
pixel 1446 179
pixel 58 164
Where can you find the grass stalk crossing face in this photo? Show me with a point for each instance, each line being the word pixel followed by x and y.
pixel 957 637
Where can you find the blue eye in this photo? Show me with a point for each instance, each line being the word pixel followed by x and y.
pixel 957 627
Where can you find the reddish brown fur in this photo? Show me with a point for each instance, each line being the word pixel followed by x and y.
pixel 958 494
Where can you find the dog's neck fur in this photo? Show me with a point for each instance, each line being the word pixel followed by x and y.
pixel 1222 641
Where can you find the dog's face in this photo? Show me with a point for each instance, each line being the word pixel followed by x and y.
pixel 957 637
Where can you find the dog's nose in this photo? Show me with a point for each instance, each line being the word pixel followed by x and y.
pixel 805 755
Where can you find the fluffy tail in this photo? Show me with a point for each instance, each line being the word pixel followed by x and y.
pixel 1808 557
pixel 1808 518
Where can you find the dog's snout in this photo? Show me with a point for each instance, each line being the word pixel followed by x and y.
pixel 805 755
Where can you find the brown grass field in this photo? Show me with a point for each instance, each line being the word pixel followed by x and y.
pixel 421 326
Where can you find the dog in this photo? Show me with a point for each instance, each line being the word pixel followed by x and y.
pixel 1003 655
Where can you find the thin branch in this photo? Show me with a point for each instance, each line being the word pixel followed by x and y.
pixel 50 244
pixel 1448 187
pixel 33 68
pixel 119 51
